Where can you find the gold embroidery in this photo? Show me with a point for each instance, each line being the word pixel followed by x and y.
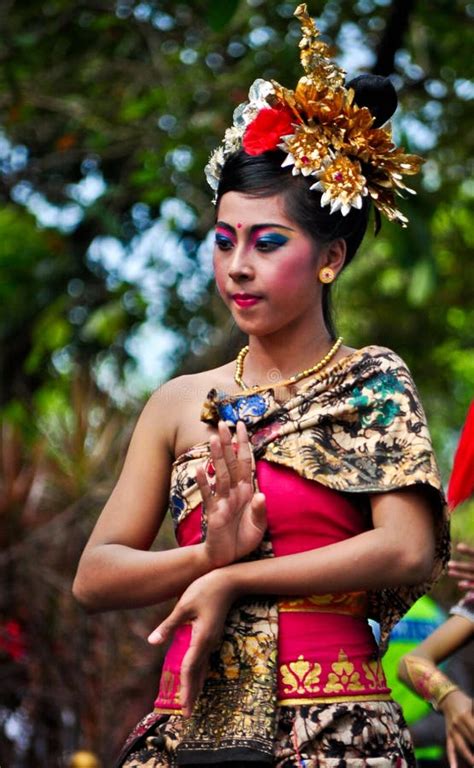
pixel 346 603
pixel 374 674
pixel 301 676
pixel 168 688
pixel 299 701
pixel 230 661
pixel 343 676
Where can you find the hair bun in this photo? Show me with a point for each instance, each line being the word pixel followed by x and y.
pixel 377 93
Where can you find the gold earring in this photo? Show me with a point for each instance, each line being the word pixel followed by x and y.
pixel 326 275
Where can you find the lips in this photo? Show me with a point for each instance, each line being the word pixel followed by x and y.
pixel 245 299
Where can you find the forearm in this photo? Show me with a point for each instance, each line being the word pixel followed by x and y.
pixel 452 635
pixel 366 561
pixel 423 677
pixel 116 576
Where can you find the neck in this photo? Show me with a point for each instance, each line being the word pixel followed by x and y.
pixel 270 359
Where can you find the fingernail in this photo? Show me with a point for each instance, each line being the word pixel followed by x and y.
pixel 155 637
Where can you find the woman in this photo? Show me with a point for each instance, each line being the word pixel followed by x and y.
pixel 318 486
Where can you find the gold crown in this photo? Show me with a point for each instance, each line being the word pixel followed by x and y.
pixel 324 133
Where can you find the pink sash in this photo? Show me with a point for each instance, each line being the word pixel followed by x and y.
pixel 326 649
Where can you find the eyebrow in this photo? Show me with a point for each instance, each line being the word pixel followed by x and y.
pixel 254 228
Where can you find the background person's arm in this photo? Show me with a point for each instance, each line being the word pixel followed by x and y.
pixel 419 671
pixel 463 570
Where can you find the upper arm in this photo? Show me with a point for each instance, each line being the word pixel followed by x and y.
pixel 407 517
pixel 135 509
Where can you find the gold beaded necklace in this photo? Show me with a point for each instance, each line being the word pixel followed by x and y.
pixel 239 367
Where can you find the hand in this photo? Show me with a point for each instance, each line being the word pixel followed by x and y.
pixel 236 516
pixel 205 603
pixel 459 721
pixel 462 569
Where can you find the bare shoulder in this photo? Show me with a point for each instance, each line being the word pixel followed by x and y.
pixel 177 406
pixel 191 387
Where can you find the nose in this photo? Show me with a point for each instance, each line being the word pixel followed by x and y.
pixel 240 265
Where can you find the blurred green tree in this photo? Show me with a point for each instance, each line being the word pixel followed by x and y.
pixel 136 94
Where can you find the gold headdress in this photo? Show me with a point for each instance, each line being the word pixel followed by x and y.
pixel 324 133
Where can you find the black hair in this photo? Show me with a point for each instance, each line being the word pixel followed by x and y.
pixel 262 176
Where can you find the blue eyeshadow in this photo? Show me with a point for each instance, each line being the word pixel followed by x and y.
pixel 274 238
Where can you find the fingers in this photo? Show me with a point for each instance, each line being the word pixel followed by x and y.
pixel 462 748
pixel 460 568
pixel 465 728
pixel 451 752
pixel 259 511
pixel 164 630
pixel 463 570
pixel 460 729
pixel 204 487
pixel 230 467
pixel 229 453
pixel 223 478
pixel 159 635
pixel 194 668
pixel 193 675
pixel 463 566
pixel 195 662
pixel 465 549
pixel 244 452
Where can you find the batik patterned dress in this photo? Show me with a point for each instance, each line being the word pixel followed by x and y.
pixel 354 430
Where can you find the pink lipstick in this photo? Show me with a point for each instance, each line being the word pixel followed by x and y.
pixel 245 299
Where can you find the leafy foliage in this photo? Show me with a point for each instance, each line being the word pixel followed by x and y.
pixel 138 94
pixel 65 676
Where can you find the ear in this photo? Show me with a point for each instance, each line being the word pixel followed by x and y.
pixel 334 255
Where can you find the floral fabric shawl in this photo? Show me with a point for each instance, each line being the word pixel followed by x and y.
pixel 359 428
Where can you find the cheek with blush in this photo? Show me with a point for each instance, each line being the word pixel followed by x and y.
pixel 298 275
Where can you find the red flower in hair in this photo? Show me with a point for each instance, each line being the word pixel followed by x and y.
pixel 265 131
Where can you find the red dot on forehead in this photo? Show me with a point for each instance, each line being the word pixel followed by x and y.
pixel 239 225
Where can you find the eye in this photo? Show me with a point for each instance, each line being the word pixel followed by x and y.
pixel 223 243
pixel 270 242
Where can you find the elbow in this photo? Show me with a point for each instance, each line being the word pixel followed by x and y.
pixel 81 593
pixel 417 564
pixel 84 592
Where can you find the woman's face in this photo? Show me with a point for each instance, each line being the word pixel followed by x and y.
pixel 265 266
